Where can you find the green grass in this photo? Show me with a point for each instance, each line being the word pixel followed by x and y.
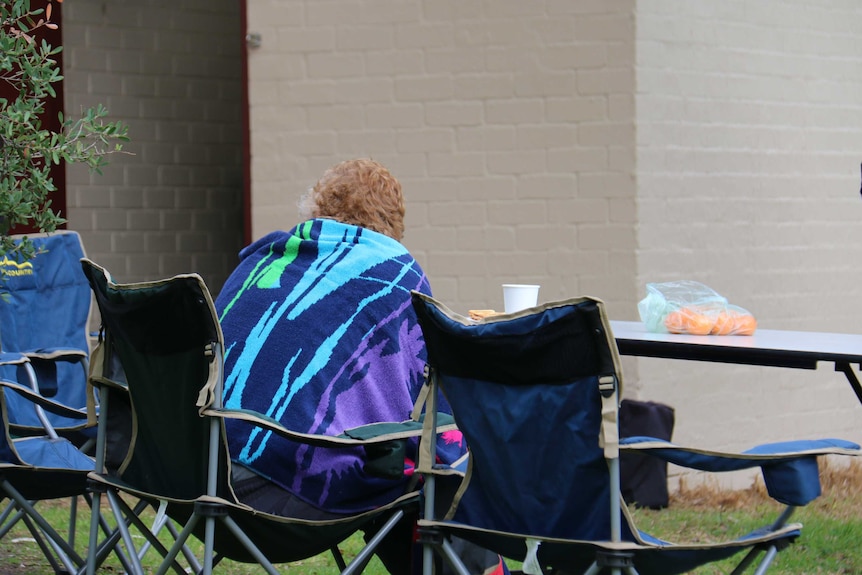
pixel 832 524
pixel 19 554
pixel 829 544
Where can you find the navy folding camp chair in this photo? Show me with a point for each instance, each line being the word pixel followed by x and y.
pixel 536 395
pixel 161 349
pixel 45 308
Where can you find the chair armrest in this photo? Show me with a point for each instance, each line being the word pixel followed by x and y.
pixel 401 429
pixel 43 402
pixel 374 433
pixel 790 469
pixel 100 382
pixel 56 354
pixel 13 358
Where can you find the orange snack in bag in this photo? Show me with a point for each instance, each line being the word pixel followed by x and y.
pixel 692 320
pixel 690 307
pixel 734 321
pixel 724 324
pixel 689 320
pixel 742 322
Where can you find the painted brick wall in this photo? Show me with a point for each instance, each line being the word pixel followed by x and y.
pixel 749 132
pixel 509 123
pixel 171 71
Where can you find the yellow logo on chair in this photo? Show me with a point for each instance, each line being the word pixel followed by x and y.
pixel 13 268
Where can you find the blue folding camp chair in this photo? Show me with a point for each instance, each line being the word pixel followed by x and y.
pixel 536 395
pixel 36 468
pixel 45 307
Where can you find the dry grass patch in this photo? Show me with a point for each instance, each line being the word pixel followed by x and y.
pixel 709 513
pixel 841 483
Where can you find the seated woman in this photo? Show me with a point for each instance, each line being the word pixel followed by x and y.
pixel 320 334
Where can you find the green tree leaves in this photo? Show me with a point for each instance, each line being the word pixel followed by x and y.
pixel 28 148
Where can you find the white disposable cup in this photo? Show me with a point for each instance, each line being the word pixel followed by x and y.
pixel 519 296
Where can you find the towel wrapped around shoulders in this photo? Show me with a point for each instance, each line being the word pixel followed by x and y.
pixel 320 335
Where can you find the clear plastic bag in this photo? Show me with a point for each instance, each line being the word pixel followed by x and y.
pixel 693 308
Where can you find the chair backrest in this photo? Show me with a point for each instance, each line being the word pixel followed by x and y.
pixel 45 306
pixel 161 340
pixel 526 391
pixel 49 299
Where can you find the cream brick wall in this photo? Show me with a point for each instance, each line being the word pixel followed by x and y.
pixel 171 71
pixel 510 125
pixel 749 132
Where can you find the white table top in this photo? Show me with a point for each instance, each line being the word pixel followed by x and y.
pixel 783 348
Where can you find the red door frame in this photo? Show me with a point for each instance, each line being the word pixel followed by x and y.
pixel 246 126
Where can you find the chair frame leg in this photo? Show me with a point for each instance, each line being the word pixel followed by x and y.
pixel 613 562
pixel 249 545
pixel 767 560
pixel 64 550
pixel 121 510
pixel 338 558
pixel 52 554
pixel 189 556
pixel 358 564
pixel 453 558
pixel 435 543
pixel 179 543
pixel 98 551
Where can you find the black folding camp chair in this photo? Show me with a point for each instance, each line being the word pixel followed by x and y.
pixel 536 395
pixel 161 349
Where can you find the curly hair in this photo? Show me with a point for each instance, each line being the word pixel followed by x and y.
pixel 360 192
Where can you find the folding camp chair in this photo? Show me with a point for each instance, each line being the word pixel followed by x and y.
pixel 162 347
pixel 36 468
pixel 45 308
pixel 536 395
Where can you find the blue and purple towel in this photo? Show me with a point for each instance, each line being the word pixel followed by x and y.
pixel 320 335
